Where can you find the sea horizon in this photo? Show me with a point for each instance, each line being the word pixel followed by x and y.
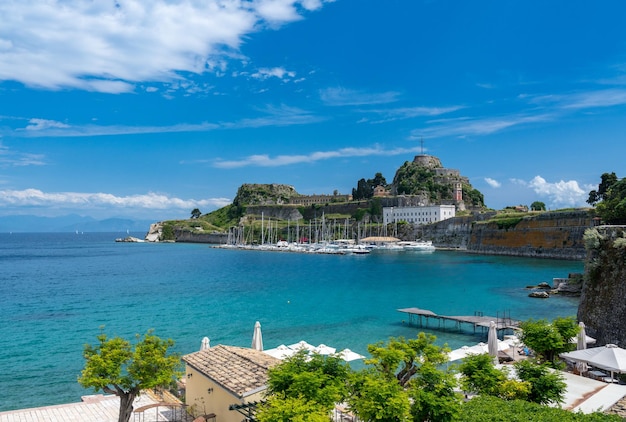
pixel 59 289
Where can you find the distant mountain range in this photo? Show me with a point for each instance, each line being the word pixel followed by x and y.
pixel 70 223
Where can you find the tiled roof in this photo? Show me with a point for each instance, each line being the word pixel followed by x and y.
pixel 237 369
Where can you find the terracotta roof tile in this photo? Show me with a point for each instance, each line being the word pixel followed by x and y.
pixel 237 369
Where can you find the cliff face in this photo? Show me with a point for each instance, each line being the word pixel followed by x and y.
pixel 603 299
pixel 557 235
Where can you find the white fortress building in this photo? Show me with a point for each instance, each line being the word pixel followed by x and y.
pixel 418 215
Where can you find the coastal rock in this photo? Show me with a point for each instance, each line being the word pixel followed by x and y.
pixel 572 285
pixel 129 239
pixel 155 232
pixel 539 295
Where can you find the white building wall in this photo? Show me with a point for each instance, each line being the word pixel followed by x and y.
pixel 418 215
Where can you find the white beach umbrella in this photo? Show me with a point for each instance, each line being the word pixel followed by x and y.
pixel 257 338
pixel 492 342
pixel 610 357
pixel 280 352
pixel 302 345
pixel 348 355
pixel 459 353
pixel 205 343
pixel 322 349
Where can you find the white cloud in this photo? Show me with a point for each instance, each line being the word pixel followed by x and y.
pixel 43 124
pixel 282 115
pixel 346 97
pixel 48 128
pixel 275 72
pixel 603 98
pixel 278 116
pixel 264 160
pixel 110 46
pixel 562 193
pixel 485 126
pixel 394 114
pixel 88 201
pixel 584 100
pixel 12 158
pixel 492 182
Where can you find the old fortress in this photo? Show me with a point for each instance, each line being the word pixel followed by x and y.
pixel 414 209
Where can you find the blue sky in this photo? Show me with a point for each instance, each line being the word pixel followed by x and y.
pixel 150 108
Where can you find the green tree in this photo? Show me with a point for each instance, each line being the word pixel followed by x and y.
pixel 400 358
pixel 377 397
pixel 404 381
pixel 116 367
pixel 607 180
pixel 378 180
pixel 195 213
pixel 362 191
pixel 376 209
pixel 291 409
pixel 365 188
pixel 547 339
pixel 535 382
pixel 474 195
pixel 537 206
pixel 546 386
pixel 610 199
pixel 493 409
pixel 480 376
pixel 433 395
pixel 315 379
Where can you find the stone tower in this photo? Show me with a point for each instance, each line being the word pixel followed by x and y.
pixel 428 161
pixel 458 191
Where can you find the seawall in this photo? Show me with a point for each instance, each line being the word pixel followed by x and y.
pixel 554 235
pixel 185 236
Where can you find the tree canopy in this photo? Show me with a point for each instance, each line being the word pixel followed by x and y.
pixel 610 199
pixel 405 381
pixel 410 380
pixel 305 388
pixel 549 339
pixel 117 367
pixel 538 206
pixel 365 188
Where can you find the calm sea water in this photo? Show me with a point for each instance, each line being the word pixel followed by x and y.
pixel 57 290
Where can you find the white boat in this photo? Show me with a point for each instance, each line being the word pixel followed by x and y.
pixel 388 247
pixel 417 245
pixel 356 249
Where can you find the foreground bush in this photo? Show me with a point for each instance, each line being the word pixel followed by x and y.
pixel 493 409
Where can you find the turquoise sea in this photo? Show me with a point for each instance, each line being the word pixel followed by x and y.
pixel 57 290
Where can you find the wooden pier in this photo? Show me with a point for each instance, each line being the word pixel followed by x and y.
pixel 419 316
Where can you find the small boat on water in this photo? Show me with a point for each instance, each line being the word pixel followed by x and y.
pixel 417 245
